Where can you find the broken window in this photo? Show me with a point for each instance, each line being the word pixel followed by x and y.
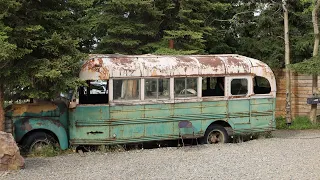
pixel 95 93
pixel 261 85
pixel 239 86
pixel 126 89
pixel 157 88
pixel 185 87
pixel 212 86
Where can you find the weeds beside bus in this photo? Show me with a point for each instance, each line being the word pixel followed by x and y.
pixel 134 99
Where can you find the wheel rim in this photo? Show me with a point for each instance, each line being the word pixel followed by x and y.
pixel 39 145
pixel 215 137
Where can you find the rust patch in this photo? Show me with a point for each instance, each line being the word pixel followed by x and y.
pixel 19 109
pixel 154 73
pixel 210 61
pixel 55 122
pixel 122 60
pixel 26 125
pixel 97 65
pixel 232 61
pixel 185 59
pixel 103 73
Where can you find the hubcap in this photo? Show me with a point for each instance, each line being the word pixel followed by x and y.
pixel 215 137
pixel 38 145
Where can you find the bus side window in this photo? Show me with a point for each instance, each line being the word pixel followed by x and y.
pixel 261 85
pixel 239 86
pixel 126 89
pixel 95 93
pixel 185 87
pixel 157 88
pixel 212 86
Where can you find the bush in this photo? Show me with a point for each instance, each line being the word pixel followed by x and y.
pixel 298 123
pixel 281 123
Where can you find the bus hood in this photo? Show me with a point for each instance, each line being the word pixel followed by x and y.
pixel 41 109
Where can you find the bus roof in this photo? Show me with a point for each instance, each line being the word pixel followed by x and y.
pixel 103 67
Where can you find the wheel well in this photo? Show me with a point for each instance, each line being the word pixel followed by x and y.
pixel 221 123
pixel 39 130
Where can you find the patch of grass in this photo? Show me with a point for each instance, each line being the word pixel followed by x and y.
pixel 281 123
pixel 298 123
pixel 49 151
pixel 111 148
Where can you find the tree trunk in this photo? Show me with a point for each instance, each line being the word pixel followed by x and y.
pixel 287 62
pixel 2 118
pixel 313 112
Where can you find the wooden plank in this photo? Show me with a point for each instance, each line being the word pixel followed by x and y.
pixel 301 89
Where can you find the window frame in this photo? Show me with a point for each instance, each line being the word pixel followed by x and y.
pixel 140 83
pixel 80 97
pixel 228 81
pixel 214 77
pixel 255 82
pixel 198 87
pixel 157 88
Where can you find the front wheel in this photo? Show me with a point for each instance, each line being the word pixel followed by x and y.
pixel 216 134
pixel 37 141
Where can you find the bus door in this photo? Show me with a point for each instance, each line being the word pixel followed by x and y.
pixel 262 104
pixel 89 119
pixel 239 102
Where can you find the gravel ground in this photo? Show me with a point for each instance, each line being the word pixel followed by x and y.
pixel 288 155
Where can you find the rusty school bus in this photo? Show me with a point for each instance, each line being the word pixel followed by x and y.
pixel 132 99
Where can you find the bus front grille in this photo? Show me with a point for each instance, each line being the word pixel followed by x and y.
pixel 8 125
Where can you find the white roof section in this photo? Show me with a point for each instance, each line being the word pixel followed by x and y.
pixel 103 67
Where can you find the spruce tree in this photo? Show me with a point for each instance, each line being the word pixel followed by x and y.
pixel 125 26
pixel 189 25
pixel 40 56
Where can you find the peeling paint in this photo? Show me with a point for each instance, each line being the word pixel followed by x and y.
pixel 119 66
pixel 20 109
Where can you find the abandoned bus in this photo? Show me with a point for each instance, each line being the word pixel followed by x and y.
pixel 131 99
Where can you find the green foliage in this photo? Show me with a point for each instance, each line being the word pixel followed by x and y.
pixel 49 151
pixel 43 41
pixel 310 66
pixel 7 49
pixel 146 26
pixel 256 30
pixel 123 26
pixel 299 123
pixel 188 24
pixel 44 37
pixel 111 148
pixel 281 123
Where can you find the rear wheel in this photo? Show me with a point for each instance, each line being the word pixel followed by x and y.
pixel 37 141
pixel 216 134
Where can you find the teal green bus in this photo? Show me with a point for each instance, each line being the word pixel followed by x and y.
pixel 143 98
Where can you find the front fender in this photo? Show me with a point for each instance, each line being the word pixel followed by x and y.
pixel 26 125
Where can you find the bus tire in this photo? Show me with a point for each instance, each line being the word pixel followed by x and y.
pixel 37 140
pixel 216 134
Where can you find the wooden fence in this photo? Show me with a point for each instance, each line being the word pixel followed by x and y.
pixel 301 89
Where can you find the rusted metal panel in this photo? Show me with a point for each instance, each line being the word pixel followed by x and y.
pixel 208 65
pixel 121 66
pixel 34 109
